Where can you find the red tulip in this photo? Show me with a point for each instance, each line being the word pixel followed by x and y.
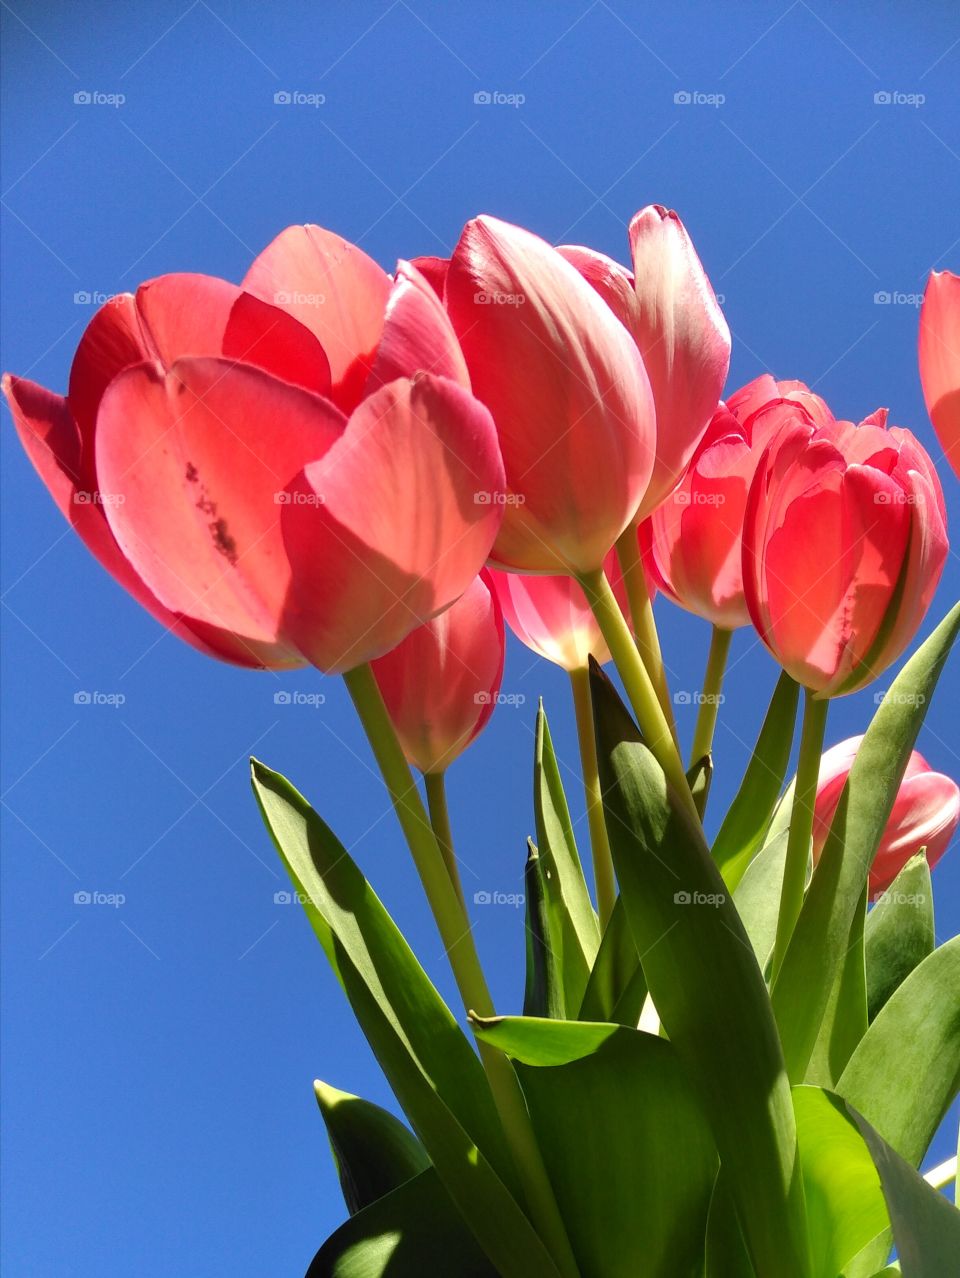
pixel 441 682
pixel 668 306
pixel 692 542
pixel 552 617
pixel 843 545
pixel 940 360
pixel 925 813
pixel 568 393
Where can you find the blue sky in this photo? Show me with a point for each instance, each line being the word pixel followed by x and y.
pixel 159 1052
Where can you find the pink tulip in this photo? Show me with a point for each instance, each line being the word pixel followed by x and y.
pixel 568 392
pixel 441 682
pixel 843 545
pixel 940 360
pixel 668 306
pixel 692 541
pixel 552 617
pixel 925 813
pixel 232 496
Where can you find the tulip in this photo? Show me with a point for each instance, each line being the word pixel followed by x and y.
pixel 925 813
pixel 568 392
pixel 844 542
pixel 668 306
pixel 692 542
pixel 441 682
pixel 552 617
pixel 940 360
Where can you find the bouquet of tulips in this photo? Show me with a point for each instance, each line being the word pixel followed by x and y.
pixel 731 1057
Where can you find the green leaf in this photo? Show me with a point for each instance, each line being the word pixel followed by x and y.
pixel 373 1151
pixel 845 1203
pixel 845 1015
pixel 905 1073
pixel 899 932
pixel 819 941
pixel 412 1231
pixel 726 1252
pixel 431 1066
pixel 706 985
pixel 699 778
pixel 617 987
pixel 543 990
pixel 629 1149
pixel 573 929
pixel 926 1227
pixel 757 896
pixel 741 834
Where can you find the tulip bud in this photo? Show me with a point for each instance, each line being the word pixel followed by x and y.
pixel 568 393
pixel 440 684
pixel 925 813
pixel 940 360
pixel 552 617
pixel 692 541
pixel 844 542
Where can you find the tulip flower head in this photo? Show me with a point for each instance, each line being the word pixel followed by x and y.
pixel 925 814
pixel 940 360
pixel 844 542
pixel 440 684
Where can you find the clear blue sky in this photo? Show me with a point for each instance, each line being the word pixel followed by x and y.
pixel 159 1055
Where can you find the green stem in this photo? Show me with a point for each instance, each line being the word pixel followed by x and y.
pixel 454 928
pixel 801 824
pixel 644 624
pixel 710 694
pixel 435 786
pixel 943 1175
pixel 639 688
pixel 600 844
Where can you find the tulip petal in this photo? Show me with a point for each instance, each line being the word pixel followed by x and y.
pixel 392 524
pixel 196 462
pixel 940 360
pixel 417 335
pixel 335 290
pixel 434 271
pixel 112 341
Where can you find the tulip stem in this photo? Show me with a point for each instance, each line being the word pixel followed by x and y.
pixel 455 931
pixel 435 786
pixel 599 842
pixel 801 825
pixel 638 685
pixel 644 624
pixel 710 694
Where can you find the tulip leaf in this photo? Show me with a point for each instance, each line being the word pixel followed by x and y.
pixel 574 934
pixel 726 1253
pixel 926 1226
pixel 899 933
pixel 757 896
pixel 431 1066
pixel 845 1015
pixel 412 1231
pixel 630 1152
pixel 374 1152
pixel 543 990
pixel 819 941
pixel 617 988
pixel 846 1209
pixel 905 1072
pixel 741 834
pixel 706 985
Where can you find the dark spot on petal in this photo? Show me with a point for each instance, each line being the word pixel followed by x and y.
pixel 192 473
